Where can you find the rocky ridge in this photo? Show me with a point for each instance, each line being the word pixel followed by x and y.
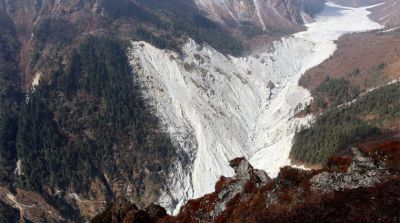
pixel 362 172
pixel 363 182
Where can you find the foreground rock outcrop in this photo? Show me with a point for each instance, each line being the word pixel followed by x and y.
pixel 362 172
pixel 362 188
pixel 123 211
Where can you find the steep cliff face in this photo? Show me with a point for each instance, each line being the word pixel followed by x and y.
pixel 269 15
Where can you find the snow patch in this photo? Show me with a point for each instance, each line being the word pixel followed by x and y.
pixel 219 107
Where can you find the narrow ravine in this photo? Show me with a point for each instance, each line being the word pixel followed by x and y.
pixel 219 107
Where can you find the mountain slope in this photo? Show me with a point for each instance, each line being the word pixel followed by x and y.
pixel 47 30
pixel 371 116
pixel 270 16
pixel 75 130
pixel 386 12
pixel 80 126
pixel 10 97
pixel 349 95
pixel 86 137
pixel 219 107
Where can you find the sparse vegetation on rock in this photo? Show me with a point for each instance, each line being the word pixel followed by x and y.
pixel 364 191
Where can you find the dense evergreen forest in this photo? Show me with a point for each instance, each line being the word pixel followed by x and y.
pixel 164 26
pixel 10 97
pixel 176 23
pixel 333 92
pixel 339 127
pixel 250 30
pixel 87 121
pixel 199 28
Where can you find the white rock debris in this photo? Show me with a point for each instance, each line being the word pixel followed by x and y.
pixel 219 107
pixel 18 169
pixel 36 80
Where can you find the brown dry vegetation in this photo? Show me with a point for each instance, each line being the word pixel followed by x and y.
pixel 362 62
pixel 291 198
pixel 386 14
pixel 375 54
pixel 388 150
pixel 31 205
pixel 366 60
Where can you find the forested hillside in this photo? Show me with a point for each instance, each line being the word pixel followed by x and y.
pixel 334 92
pixel 367 61
pixel 87 130
pixel 339 127
pixel 85 135
pixel 10 97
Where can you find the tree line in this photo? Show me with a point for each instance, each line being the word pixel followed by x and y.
pixel 337 128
